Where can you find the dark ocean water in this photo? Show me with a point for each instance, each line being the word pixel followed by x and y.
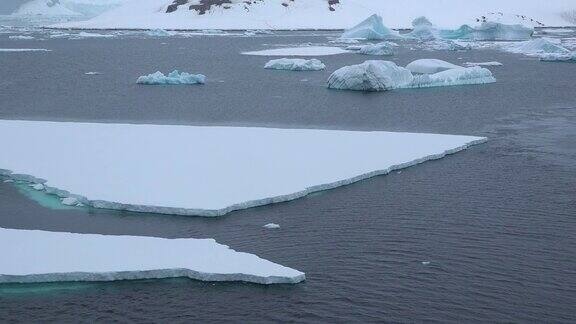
pixel 496 222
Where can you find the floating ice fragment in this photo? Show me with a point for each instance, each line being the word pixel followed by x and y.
pixel 452 77
pixel 295 64
pixel 70 201
pixel 429 66
pixel 370 76
pixel 299 51
pixel 426 262
pixel 493 63
pixel 271 226
pixel 372 29
pixel 92 73
pixel 382 49
pixel 174 78
pixel 158 33
pixel 21 37
pixel 24 50
pixel 8 181
pixel 39 256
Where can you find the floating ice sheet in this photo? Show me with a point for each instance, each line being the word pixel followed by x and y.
pixel 39 256
pixel 300 51
pixel 24 50
pixel 206 171
pixel 295 64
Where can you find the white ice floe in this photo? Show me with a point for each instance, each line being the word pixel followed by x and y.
pixel 93 35
pixel 21 37
pixel 370 76
pixel 372 29
pixel 173 78
pixel 555 57
pixel 92 73
pixel 205 171
pixel 295 64
pixel 39 256
pixel 425 263
pixel 385 75
pixel 429 66
pixel 537 47
pixel 24 50
pixel 381 49
pixel 271 226
pixel 447 45
pixel 453 77
pixel 492 63
pixel 299 51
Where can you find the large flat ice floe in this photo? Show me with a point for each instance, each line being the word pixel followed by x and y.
pixel 39 256
pixel 204 171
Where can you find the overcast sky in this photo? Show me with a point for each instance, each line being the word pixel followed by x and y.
pixel 7 6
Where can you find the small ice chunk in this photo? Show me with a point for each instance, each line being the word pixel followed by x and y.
pixel 556 57
pixel 382 49
pixel 158 33
pixel 21 37
pixel 493 63
pixel 70 201
pixel 295 65
pixel 299 51
pixel 372 29
pixel 37 186
pixel 24 50
pixel 92 73
pixel 271 226
pixel 452 77
pixel 425 262
pixel 174 78
pixel 370 76
pixel 429 66
pixel 93 35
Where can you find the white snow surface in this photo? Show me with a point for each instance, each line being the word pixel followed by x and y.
pixel 295 64
pixel 39 256
pixel 76 8
pixel 429 66
pixel 315 14
pixel 204 171
pixel 299 51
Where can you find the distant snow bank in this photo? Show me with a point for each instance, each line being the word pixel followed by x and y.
pixel 316 14
pixel 39 256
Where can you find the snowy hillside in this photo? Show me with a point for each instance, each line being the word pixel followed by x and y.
pixel 77 8
pixel 319 14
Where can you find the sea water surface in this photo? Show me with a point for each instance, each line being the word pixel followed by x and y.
pixel 486 235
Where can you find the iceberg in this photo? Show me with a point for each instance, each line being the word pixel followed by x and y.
pixel 422 29
pixel 429 66
pixel 204 171
pixel 40 256
pixel 452 77
pixel 556 57
pixel 489 31
pixel 370 76
pixel 380 49
pixel 372 29
pixel 537 47
pixel 295 65
pixel 299 51
pixel 174 78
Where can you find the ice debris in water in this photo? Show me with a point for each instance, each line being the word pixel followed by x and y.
pixel 382 49
pixel 372 29
pixel 70 201
pixel 429 66
pixel 446 45
pixel 370 76
pixel 537 47
pixel 555 57
pixel 175 77
pixel 425 262
pixel 492 63
pixel 271 226
pixel 92 73
pixel 158 33
pixel 8 181
pixel 295 64
pixel 385 75
pixel 21 37
pixel 423 29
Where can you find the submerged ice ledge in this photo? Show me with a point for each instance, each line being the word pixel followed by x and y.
pixel 40 256
pixel 231 177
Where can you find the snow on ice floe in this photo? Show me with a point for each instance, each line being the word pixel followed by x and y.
pixel 299 51
pixel 173 78
pixel 380 49
pixel 295 64
pixel 385 75
pixel 9 50
pixel 492 63
pixel 429 66
pixel 204 171
pixel 21 37
pixel 271 226
pixel 371 29
pixel 40 256
pixel 536 47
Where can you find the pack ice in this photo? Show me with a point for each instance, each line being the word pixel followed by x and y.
pixel 205 171
pixel 173 78
pixel 295 64
pixel 380 49
pixel 39 256
pixel 384 75
pixel 371 29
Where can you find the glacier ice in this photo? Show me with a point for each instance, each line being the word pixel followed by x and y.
pixel 299 51
pixel 370 76
pixel 40 256
pixel 203 171
pixel 271 226
pixel 380 49
pixel 489 31
pixel 174 78
pixel 429 66
pixel 371 29
pixel 452 77
pixel 295 64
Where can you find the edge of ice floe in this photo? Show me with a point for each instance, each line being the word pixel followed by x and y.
pixel 245 205
pixel 149 274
